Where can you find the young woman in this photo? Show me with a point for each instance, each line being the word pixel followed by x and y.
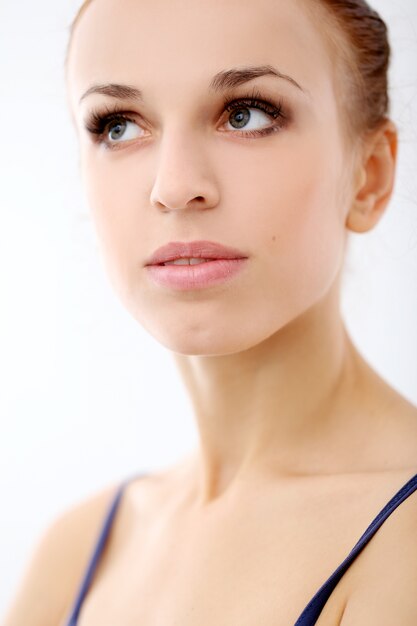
pixel 228 150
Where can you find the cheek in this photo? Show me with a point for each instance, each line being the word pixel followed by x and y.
pixel 113 189
pixel 299 218
pixel 110 195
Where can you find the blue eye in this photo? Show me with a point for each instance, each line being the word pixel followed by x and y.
pixel 243 115
pixel 117 129
pixel 113 127
pixel 251 114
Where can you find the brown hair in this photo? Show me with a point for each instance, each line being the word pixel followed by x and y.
pixel 358 37
pixel 364 52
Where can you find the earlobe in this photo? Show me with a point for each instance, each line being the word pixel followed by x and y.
pixel 363 215
pixel 376 180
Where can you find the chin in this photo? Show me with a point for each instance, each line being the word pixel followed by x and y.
pixel 195 339
pixel 213 340
pixel 202 344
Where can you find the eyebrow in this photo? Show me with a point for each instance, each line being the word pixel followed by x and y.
pixel 226 79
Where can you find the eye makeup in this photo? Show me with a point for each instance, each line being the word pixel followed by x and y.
pixel 101 122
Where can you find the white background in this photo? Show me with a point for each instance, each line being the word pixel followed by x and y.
pixel 87 397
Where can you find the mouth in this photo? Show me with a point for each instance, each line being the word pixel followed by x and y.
pixel 189 261
pixel 194 265
pixel 193 253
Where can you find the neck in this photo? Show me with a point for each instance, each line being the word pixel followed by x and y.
pixel 278 407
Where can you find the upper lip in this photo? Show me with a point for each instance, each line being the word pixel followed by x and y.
pixel 193 249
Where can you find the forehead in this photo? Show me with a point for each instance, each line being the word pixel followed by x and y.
pixel 172 44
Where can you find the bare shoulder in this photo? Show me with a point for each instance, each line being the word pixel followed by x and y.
pixel 384 576
pixel 380 585
pixel 382 581
pixel 392 419
pixel 57 562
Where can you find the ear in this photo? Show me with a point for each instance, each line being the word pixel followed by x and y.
pixel 375 178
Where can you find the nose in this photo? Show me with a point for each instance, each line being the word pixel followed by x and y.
pixel 184 179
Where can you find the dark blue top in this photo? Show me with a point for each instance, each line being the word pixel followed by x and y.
pixel 313 609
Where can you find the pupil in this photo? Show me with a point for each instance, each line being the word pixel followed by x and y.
pixel 117 128
pixel 242 117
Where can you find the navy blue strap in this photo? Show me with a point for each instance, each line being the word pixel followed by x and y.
pixel 98 549
pixel 313 609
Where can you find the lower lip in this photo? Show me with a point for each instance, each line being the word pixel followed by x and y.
pixel 199 276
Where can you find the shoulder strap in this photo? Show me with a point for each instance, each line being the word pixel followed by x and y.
pixel 313 609
pixel 97 552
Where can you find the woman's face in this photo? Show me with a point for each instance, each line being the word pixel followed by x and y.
pixel 184 168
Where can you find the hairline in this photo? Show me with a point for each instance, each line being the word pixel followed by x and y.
pixel 344 67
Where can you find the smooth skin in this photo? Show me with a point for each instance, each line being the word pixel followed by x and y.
pixel 301 443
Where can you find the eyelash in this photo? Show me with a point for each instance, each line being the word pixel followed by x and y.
pixel 99 122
